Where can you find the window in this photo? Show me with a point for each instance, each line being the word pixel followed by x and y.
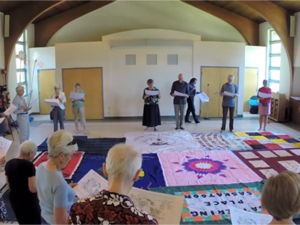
pixel 274 60
pixel 172 59
pixel 130 59
pixel 20 51
pixel 151 59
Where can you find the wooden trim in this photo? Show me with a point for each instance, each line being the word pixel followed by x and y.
pixel 20 18
pixel 248 28
pixel 45 29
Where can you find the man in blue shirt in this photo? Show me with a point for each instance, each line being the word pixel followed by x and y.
pixel 229 92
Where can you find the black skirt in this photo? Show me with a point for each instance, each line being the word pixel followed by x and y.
pixel 151 115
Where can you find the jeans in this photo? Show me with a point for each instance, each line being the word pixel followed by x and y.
pixel 58 117
pixel 179 109
pixel 231 115
pixel 190 109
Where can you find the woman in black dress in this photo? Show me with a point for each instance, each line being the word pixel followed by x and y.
pixel 151 115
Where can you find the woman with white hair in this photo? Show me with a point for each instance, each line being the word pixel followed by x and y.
pixel 58 111
pixel 20 177
pixel 55 194
pixel 78 109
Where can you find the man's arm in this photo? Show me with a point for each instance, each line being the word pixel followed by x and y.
pixel 172 89
pixel 222 91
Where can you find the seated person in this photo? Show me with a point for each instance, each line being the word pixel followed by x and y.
pixel 281 197
pixel 113 206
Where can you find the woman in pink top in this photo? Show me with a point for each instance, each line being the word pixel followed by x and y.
pixel 264 108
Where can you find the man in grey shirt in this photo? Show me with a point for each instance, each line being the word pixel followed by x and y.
pixel 179 102
pixel 228 102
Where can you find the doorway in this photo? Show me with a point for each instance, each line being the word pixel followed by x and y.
pixel 250 86
pixel 46 81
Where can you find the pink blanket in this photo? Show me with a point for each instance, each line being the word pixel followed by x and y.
pixel 205 168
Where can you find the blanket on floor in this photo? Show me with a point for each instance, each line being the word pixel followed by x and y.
pixel 201 168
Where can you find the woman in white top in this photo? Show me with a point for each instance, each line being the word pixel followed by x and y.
pixel 58 111
pixel 78 108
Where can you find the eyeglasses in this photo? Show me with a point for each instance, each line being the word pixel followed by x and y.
pixel 73 142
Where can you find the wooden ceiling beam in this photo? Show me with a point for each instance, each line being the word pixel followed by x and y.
pixel 20 18
pixel 248 28
pixel 279 19
pixel 45 29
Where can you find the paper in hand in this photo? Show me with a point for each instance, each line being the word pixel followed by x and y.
pixel 179 94
pixel 32 103
pixel 10 110
pixel 53 102
pixel 203 97
pixel 77 96
pixel 241 217
pixel 264 95
pixel 151 93
pixel 4 146
pixel 229 94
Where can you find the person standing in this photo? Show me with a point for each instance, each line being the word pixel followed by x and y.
pixel 190 101
pixel 22 114
pixel 78 109
pixel 229 92
pixel 58 111
pixel 264 107
pixel 151 114
pixel 20 176
pixel 179 102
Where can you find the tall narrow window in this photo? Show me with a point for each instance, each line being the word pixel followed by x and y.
pixel 20 51
pixel 274 60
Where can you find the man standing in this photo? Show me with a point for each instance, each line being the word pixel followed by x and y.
pixel 179 101
pixel 190 101
pixel 229 92
pixel 22 114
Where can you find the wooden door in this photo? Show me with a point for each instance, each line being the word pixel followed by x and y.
pixel 224 73
pixel 46 81
pixel 210 83
pixel 250 86
pixel 91 83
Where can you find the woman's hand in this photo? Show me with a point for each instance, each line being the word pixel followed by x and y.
pixel 146 96
pixel 158 96
pixel 72 185
pixel 3 160
pixel 60 99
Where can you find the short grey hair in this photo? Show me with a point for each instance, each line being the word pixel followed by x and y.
pixel 27 147
pixel 19 88
pixel 230 76
pixel 59 142
pixel 57 86
pixel 123 161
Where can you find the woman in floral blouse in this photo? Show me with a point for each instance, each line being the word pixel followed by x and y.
pixel 151 115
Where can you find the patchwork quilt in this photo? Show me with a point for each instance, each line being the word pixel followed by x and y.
pixel 210 204
pixel 153 142
pixel 202 168
pixel 269 140
pixel 71 167
pixel 271 162
pixel 220 141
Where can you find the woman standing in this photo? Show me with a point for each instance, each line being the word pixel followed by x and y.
pixel 58 111
pixel 190 101
pixel 264 107
pixel 151 115
pixel 20 177
pixel 55 194
pixel 78 109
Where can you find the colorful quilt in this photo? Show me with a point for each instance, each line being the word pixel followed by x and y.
pixel 71 167
pixel 211 204
pixel 269 140
pixel 150 177
pixel 152 142
pixel 271 162
pixel 220 141
pixel 201 168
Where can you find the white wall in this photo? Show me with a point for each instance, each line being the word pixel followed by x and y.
pixel 2 66
pixel 255 57
pixel 45 61
pixel 285 73
pixel 220 54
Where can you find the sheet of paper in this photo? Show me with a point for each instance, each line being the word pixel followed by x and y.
pixel 264 95
pixel 241 217
pixel 10 110
pixel 91 184
pixel 32 103
pixel 295 98
pixel 165 208
pixel 4 146
pixel 176 93
pixel 229 94
pixel 151 93
pixel 76 96
pixel 53 102
pixel 203 97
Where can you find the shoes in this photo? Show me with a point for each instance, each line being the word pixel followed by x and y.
pixel 222 131
pixel 197 121
pixel 187 121
pixel 7 132
pixel 181 128
pixel 232 131
pixel 176 128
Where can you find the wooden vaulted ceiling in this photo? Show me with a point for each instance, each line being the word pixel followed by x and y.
pixel 50 16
